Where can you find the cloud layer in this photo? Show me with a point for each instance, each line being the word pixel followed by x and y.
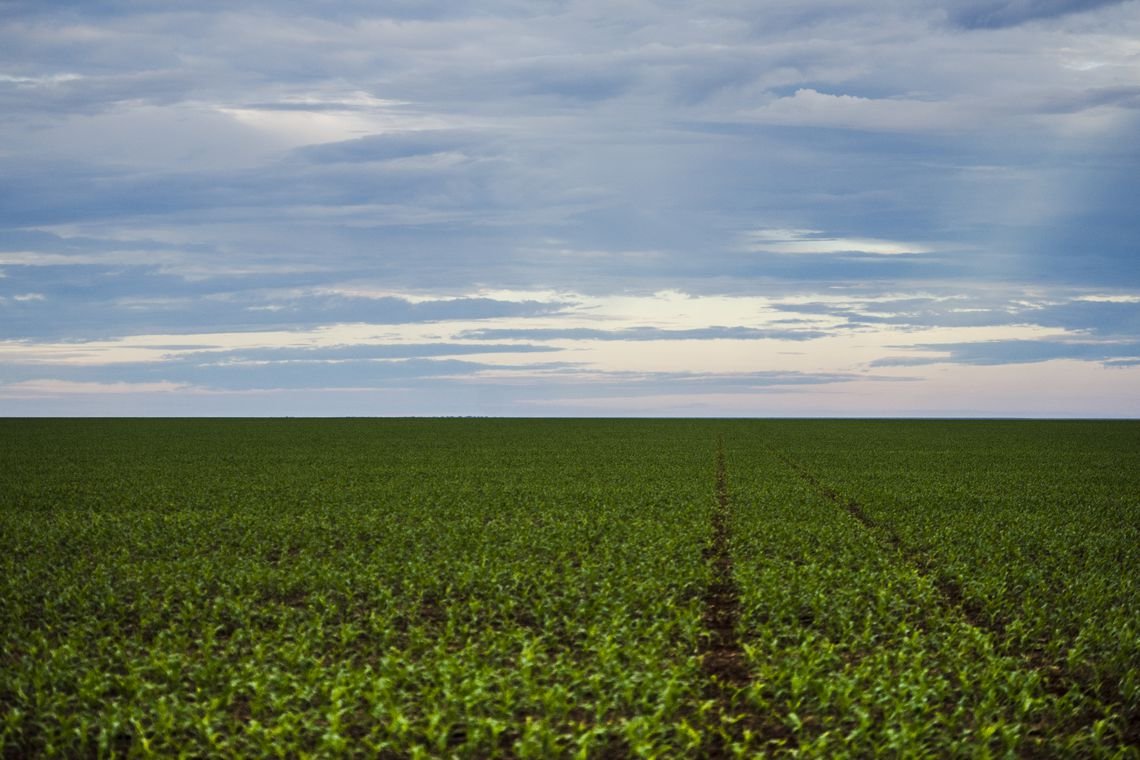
pixel 574 207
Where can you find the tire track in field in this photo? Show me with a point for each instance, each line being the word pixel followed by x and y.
pixel 722 657
pixel 1056 677
pixel 950 592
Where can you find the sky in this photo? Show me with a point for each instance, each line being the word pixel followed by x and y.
pixel 570 208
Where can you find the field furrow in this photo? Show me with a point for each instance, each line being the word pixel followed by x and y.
pixel 722 659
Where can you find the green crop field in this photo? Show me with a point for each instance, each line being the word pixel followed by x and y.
pixel 578 588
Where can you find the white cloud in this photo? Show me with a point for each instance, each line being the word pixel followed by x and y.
pixel 1109 298
pixel 793 241
pixel 314 118
pixel 828 346
pixel 193 267
pixel 46 80
pixel 50 387
pixel 41 259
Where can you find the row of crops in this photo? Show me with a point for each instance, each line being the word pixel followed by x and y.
pixel 954 588
pixel 538 588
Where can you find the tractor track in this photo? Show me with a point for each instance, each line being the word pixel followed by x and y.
pixel 1056 677
pixel 722 656
pixel 950 592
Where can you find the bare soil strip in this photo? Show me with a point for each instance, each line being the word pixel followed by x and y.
pixel 722 658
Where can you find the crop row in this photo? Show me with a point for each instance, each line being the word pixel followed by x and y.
pixel 856 651
pixel 1032 528
pixel 405 589
pixel 494 588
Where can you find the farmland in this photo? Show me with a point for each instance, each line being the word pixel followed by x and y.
pixel 591 588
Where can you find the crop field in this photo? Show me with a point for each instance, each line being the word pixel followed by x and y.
pixel 569 588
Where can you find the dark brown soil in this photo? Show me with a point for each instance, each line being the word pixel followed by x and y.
pixel 722 657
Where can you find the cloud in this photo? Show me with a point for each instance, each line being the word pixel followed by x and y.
pixel 476 200
pixel 643 334
pixel 996 14
pixel 324 118
pixel 817 242
pixel 394 145
pixel 107 301
pixel 809 107
pixel 46 388
pixel 1109 298
pixel 353 353
pixel 1001 352
pixel 1101 315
